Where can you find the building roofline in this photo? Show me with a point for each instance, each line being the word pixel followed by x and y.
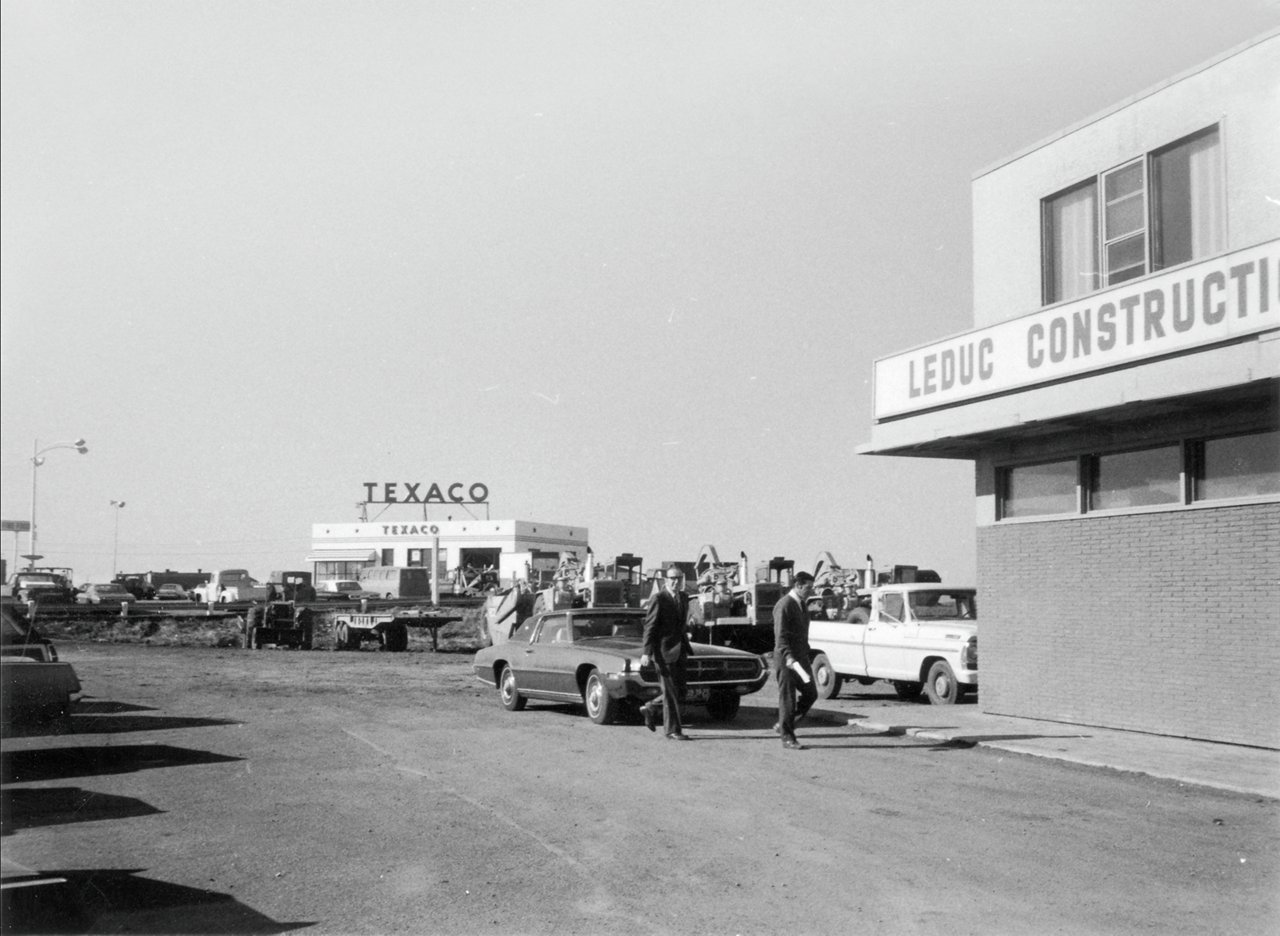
pixel 1127 102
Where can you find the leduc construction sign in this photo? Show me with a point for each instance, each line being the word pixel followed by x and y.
pixel 1228 297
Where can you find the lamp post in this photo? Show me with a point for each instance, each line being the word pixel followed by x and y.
pixel 115 548
pixel 37 459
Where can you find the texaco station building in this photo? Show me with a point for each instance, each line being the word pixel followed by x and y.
pixel 1118 397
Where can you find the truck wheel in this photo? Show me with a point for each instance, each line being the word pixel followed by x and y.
pixel 825 679
pixel 941 686
pixel 907 691
pixel 723 706
pixel 512 700
pixel 396 638
pixel 600 706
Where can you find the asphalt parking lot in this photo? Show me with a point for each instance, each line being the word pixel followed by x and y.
pixel 217 790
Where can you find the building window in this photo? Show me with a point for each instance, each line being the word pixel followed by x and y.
pixel 1238 466
pixel 1157 211
pixel 1071 243
pixel 1189 218
pixel 1038 490
pixel 416 558
pixel 388 557
pixel 1146 478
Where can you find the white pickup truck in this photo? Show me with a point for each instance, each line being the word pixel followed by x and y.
pixel 917 636
pixel 228 585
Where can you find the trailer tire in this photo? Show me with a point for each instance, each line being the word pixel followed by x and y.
pixel 341 636
pixel 396 638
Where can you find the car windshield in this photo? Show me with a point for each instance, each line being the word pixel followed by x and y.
pixel 606 626
pixel 943 605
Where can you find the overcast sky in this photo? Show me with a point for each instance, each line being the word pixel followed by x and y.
pixel 626 264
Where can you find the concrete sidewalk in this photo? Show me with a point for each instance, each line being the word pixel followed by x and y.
pixel 1239 769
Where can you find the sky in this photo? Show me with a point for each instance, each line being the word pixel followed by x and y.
pixel 628 265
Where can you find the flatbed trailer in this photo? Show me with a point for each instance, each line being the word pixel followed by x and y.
pixel 389 628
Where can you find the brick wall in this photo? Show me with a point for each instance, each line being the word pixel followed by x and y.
pixel 1159 622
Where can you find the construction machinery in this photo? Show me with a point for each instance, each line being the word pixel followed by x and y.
pixel 617 583
pixel 731 609
pixel 280 624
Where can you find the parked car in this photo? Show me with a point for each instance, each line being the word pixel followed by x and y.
pixel 99 593
pixel 34 585
pixel 36 691
pixel 591 656
pixel 172 592
pixel 339 590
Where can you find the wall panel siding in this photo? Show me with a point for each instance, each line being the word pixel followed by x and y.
pixel 1160 622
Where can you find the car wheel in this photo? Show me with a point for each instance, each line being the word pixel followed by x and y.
pixel 941 686
pixel 723 706
pixel 512 700
pixel 825 678
pixel 600 706
pixel 907 691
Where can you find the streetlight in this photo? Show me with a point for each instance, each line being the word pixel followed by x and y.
pixel 37 459
pixel 115 549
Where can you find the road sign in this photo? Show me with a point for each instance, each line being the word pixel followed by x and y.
pixel 15 526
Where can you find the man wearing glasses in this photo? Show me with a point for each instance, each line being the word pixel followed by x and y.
pixel 667 645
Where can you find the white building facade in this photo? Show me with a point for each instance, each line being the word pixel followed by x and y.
pixel 1119 396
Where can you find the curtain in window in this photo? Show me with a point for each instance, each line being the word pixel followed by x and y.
pixel 1074 260
pixel 1208 213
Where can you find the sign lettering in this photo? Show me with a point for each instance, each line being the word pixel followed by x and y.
pixel 406 492
pixel 1228 297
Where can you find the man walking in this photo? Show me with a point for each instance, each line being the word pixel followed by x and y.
pixel 791 659
pixel 667 645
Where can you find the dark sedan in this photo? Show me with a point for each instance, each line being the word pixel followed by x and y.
pixel 591 657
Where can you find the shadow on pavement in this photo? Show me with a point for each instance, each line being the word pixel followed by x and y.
pixel 105 707
pixel 83 724
pixel 32 808
pixel 118 901
pixel 60 763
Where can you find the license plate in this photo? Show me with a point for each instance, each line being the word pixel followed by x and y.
pixel 698 694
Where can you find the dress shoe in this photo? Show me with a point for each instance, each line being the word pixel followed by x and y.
pixel 677 736
pixel 648 717
pixel 791 744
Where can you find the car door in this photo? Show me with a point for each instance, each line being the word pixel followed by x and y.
pixel 842 642
pixel 884 637
pixel 541 669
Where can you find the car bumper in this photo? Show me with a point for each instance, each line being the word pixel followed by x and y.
pixel 631 686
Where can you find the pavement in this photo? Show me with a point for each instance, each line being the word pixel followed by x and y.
pixel 1230 767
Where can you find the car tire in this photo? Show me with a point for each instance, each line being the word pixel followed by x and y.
pixel 825 679
pixel 600 705
pixel 941 687
pixel 512 700
pixel 907 691
pixel 723 706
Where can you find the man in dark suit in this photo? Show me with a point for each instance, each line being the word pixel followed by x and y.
pixel 667 646
pixel 791 664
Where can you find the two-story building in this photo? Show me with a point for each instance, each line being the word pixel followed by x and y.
pixel 1118 397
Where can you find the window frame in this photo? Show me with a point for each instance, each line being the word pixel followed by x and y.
pixel 1152 228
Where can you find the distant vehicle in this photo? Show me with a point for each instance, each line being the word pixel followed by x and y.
pixel 20 640
pixel 40 584
pixel 396 581
pixel 172 592
pixel 292 586
pixel 136 586
pixel 339 590
pixel 228 585
pixel 591 657
pixel 108 593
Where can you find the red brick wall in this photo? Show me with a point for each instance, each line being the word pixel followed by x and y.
pixel 1159 622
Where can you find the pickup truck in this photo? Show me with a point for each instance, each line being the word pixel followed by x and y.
pixel 228 585
pixel 917 636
